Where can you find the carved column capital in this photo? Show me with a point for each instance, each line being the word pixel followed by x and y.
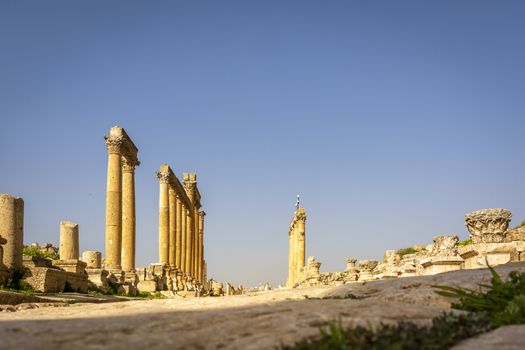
pixel 164 178
pixel 114 144
pixel 128 165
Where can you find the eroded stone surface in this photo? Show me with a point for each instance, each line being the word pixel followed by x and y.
pixel 262 320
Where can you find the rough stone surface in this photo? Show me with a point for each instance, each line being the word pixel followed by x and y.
pixel 503 338
pixel 261 320
pixel 488 225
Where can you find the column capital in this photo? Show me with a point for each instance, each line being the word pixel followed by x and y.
pixel 164 177
pixel 128 164
pixel 114 144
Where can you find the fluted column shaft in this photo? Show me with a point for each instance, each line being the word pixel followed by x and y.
pixel 128 216
pixel 164 219
pixel 189 243
pixel 178 233
pixel 300 247
pixel 291 256
pixel 183 224
pixel 172 227
pixel 200 271
pixel 113 206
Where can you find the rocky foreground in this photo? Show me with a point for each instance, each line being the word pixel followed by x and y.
pixel 263 320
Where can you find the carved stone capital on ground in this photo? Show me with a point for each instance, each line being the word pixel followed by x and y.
pixel 488 225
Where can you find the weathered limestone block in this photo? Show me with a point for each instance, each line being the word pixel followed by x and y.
pixel 98 278
pixel 73 265
pixel 445 245
pixel 217 288
pixel 408 265
pixel 147 286
pixel 366 269
pixel 46 280
pixel 69 245
pixel 477 255
pixel 440 264
pixel 12 229
pixel 516 234
pixel 488 225
pixel 92 258
pixel 390 267
pixel 77 282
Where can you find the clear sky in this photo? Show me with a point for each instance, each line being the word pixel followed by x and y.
pixel 392 119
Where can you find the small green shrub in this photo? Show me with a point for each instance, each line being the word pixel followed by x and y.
pixel 444 331
pixel 409 250
pixel 503 302
pixel 16 283
pixel 34 251
pixel 465 242
pixel 494 305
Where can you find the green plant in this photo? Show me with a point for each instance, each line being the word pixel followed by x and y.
pixel 409 250
pixel 15 282
pixel 503 302
pixel 34 251
pixel 465 242
pixel 499 303
pixel 444 331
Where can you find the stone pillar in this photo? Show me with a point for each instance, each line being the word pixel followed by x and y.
pixel 172 228
pixel 178 234
pixel 69 246
pixel 183 222
pixel 291 256
pixel 12 229
pixel 189 243
pixel 164 219
pixel 114 203
pixel 200 271
pixel 195 250
pixel 300 242
pixel 92 258
pixel 128 215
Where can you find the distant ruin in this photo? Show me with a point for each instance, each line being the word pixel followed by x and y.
pixel 491 242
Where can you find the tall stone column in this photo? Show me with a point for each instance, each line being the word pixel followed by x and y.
pixel 178 234
pixel 114 203
pixel 300 242
pixel 189 243
pixel 195 250
pixel 291 256
pixel 69 246
pixel 12 229
pixel 164 223
pixel 128 215
pixel 200 271
pixel 183 223
pixel 173 227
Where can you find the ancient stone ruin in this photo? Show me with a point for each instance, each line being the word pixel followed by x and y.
pixel 490 242
pixel 181 265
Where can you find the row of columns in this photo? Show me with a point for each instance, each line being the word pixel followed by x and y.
pixel 181 224
pixel 296 250
pixel 120 201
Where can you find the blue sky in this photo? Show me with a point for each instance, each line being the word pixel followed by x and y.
pixel 391 119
